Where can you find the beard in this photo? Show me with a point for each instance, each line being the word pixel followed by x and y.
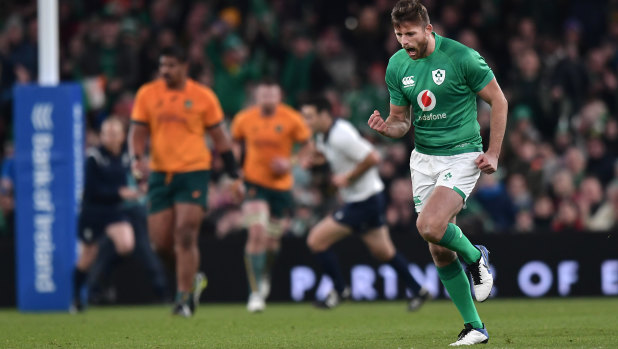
pixel 418 51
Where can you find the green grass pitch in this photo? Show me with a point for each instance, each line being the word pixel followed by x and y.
pixel 520 323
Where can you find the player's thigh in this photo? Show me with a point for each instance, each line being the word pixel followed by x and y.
pixel 379 242
pixel 188 218
pixel 422 187
pixel 161 229
pixel 121 234
pixel 443 203
pixel 326 233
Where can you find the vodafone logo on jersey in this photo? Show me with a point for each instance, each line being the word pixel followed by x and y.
pixel 426 100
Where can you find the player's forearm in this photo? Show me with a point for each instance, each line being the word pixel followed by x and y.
pixel 138 135
pixel 497 124
pixel 223 144
pixel 371 160
pixel 396 127
pixel 220 139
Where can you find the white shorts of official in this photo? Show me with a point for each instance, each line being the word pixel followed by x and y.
pixel 458 172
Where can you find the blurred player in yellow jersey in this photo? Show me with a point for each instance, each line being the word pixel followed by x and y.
pixel 176 113
pixel 269 131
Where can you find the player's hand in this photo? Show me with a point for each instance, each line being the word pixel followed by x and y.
pixel 139 168
pixel 377 123
pixel 341 180
pixel 237 188
pixel 487 163
pixel 129 193
pixel 280 166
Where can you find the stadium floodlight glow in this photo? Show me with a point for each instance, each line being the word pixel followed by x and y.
pixel 48 42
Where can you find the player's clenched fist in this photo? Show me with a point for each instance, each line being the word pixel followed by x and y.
pixel 237 188
pixel 487 163
pixel 377 123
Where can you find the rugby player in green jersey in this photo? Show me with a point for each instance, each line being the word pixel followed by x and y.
pixel 433 84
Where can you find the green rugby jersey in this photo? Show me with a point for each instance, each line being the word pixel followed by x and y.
pixel 441 88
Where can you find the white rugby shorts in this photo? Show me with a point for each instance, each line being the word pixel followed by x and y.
pixel 458 172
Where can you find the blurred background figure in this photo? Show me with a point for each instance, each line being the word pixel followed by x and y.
pixel 102 213
pixel 268 132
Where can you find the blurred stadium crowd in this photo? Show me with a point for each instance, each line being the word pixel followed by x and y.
pixel 557 62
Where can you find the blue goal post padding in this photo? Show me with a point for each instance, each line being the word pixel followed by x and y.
pixel 49 156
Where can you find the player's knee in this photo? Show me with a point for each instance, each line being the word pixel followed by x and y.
pixel 257 232
pixel 430 228
pixel 315 244
pixel 185 236
pixel 184 241
pixel 383 254
pixel 126 244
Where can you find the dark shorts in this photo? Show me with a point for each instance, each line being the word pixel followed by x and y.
pixel 363 215
pixel 94 220
pixel 280 202
pixel 166 189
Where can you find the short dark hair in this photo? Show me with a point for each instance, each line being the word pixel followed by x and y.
pixel 268 81
pixel 174 51
pixel 409 11
pixel 319 102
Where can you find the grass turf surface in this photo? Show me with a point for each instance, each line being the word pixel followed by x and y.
pixel 522 323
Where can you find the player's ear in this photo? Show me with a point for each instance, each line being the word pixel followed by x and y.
pixel 429 28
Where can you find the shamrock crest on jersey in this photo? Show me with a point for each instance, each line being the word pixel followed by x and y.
pixel 438 76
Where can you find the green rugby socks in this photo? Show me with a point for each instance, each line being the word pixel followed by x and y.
pixel 255 264
pixel 457 284
pixel 455 240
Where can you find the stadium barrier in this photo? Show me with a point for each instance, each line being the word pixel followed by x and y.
pixel 532 265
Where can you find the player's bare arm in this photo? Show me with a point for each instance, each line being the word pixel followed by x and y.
pixel 138 136
pixel 223 144
pixel 345 179
pixel 492 94
pixel 396 125
pixel 308 156
pixel 220 138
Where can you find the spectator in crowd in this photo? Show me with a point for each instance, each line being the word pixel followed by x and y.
pixel 568 218
pixel 600 164
pixel 606 216
pixel 575 163
pixel 518 192
pixel 496 202
pixel 543 212
pixel 589 200
pixel 563 186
